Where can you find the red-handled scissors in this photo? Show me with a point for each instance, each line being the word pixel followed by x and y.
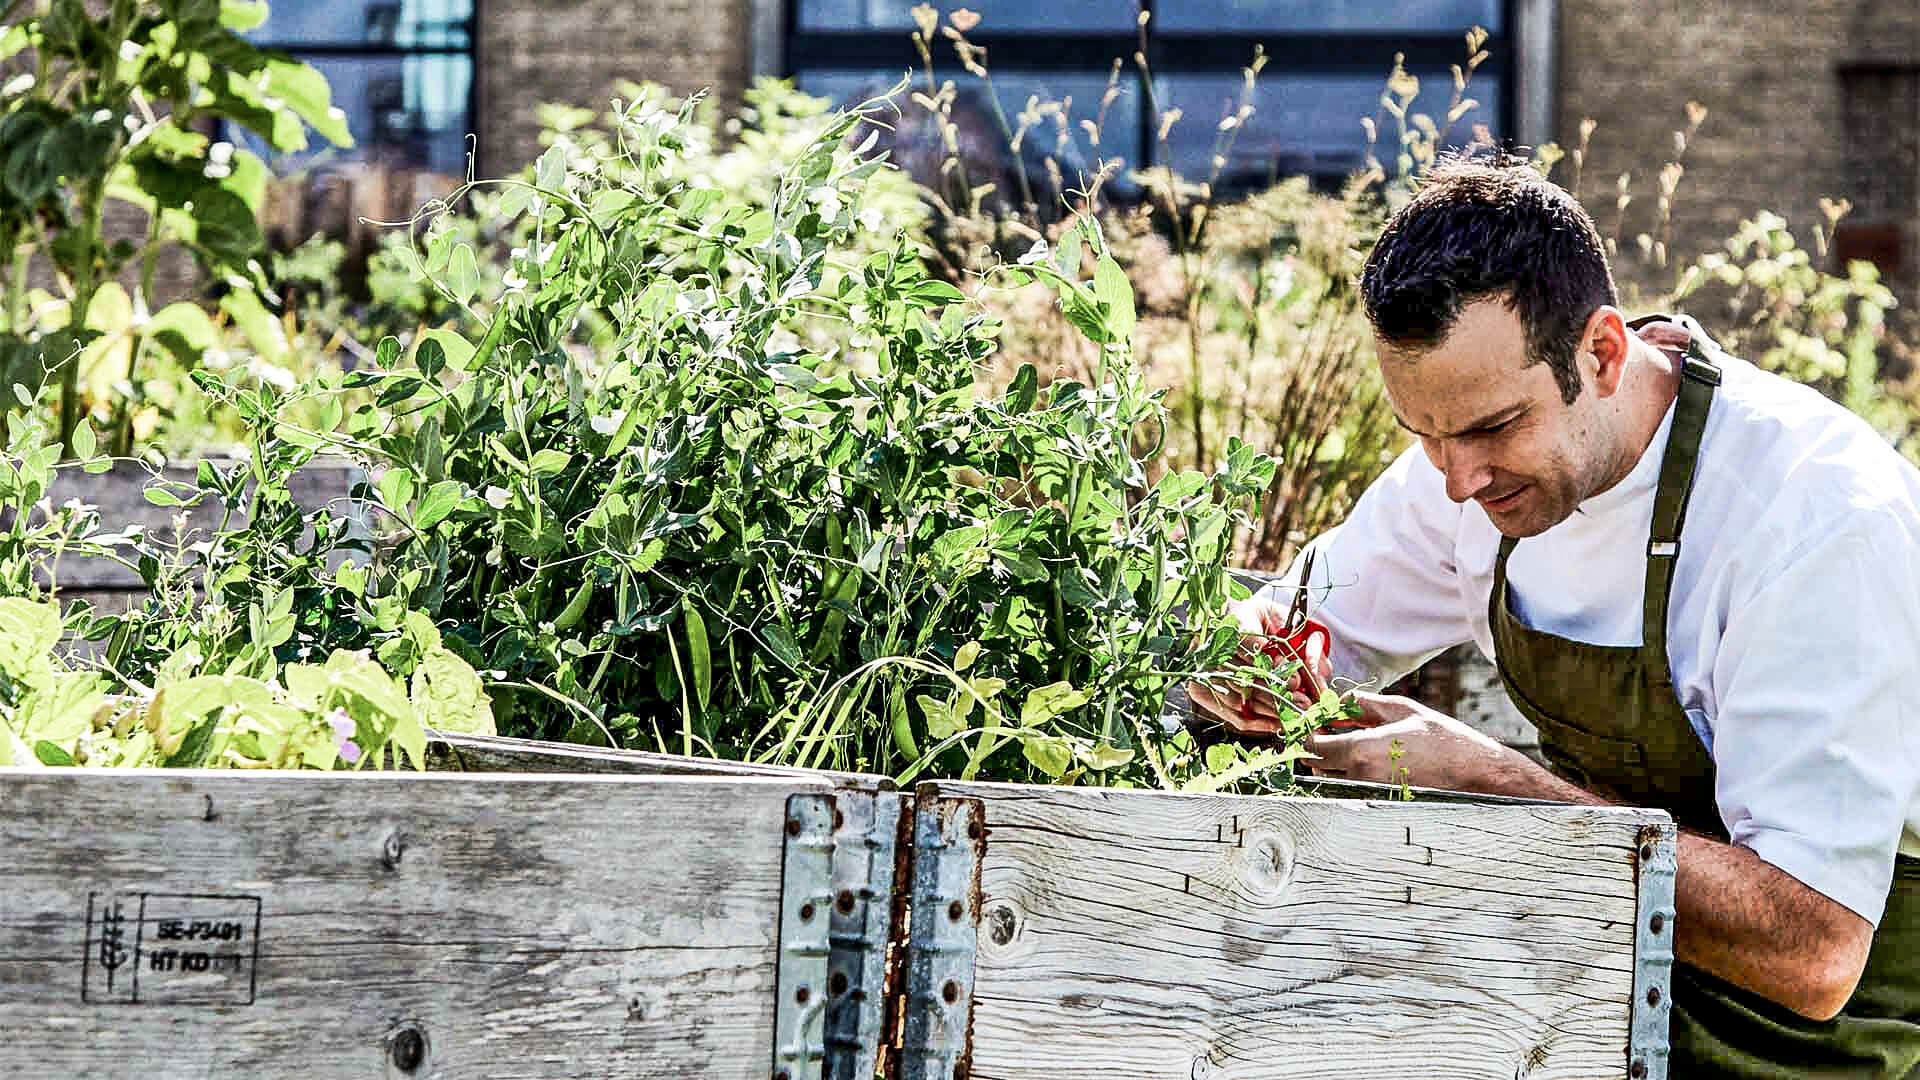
pixel 1289 641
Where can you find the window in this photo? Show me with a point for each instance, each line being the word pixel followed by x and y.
pixel 1881 112
pixel 402 71
pixel 1328 61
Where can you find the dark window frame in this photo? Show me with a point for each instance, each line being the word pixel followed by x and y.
pixel 392 50
pixel 1170 52
pixel 1880 230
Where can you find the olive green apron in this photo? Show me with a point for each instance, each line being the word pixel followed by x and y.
pixel 1610 720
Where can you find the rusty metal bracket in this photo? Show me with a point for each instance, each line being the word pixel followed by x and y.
pixel 806 896
pixel 1648 1040
pixel 949 838
pixel 866 841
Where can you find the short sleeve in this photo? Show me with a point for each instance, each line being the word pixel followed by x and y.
pixel 1814 734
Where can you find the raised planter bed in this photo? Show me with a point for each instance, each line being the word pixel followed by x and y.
pixel 620 921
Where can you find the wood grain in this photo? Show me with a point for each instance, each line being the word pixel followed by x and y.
pixel 1135 934
pixel 536 927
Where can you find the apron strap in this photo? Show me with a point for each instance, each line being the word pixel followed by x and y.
pixel 1699 376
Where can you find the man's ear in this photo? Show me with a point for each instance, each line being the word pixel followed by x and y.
pixel 1604 341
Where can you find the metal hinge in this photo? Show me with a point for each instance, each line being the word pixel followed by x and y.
pixel 866 842
pixel 1648 1045
pixel 949 837
pixel 806 896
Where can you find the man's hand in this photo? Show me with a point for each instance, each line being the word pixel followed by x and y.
pixel 1401 740
pixel 1254 712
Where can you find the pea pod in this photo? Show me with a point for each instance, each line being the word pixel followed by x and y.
pixel 576 606
pixel 902 724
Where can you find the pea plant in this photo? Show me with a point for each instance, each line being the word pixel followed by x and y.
pixel 106 104
pixel 184 679
pixel 655 516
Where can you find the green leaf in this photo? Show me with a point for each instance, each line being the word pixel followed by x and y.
pixel 1022 566
pixel 1022 391
pixel 447 695
pixel 262 330
pixel 936 292
pixel 957 547
pixel 648 556
pixel 1047 702
pixel 241 16
pixel 184 329
pixel 160 496
pixel 1050 754
pixel 194 749
pixel 304 91
pixel 13 40
pixel 50 754
pixel 780 644
pixel 463 274
pixel 964 657
pixel 453 347
pixel 941 723
pixel 1101 758
pixel 550 173
pixel 1112 288
pixel 63 708
pixel 1221 757
pixel 396 489
pixel 439 501
pixel 549 462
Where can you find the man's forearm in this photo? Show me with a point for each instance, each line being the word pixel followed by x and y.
pixel 1756 926
pixel 1739 917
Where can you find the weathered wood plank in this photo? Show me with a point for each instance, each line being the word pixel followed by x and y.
pixel 296 925
pixel 1136 934
pixel 491 753
pixel 119 493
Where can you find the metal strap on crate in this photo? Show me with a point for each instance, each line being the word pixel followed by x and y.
pixel 806 896
pixel 1648 1041
pixel 948 838
pixel 866 842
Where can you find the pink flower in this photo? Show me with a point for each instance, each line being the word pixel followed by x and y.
pixel 349 751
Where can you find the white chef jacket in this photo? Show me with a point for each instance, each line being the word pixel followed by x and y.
pixel 1793 625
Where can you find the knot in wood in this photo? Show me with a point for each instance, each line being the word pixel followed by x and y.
pixel 1266 863
pixel 395 846
pixel 407 1048
pixel 1002 923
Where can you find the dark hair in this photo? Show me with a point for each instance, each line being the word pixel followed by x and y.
pixel 1490 228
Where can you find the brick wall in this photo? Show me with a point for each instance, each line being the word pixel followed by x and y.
pixel 573 51
pixel 1770 75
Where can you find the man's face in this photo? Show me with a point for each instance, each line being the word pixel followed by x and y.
pixel 1495 424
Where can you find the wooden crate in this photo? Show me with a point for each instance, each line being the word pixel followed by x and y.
pixel 631 918
pixel 1147 934
pixel 163 924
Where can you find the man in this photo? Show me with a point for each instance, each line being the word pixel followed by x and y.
pixel 1746 672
